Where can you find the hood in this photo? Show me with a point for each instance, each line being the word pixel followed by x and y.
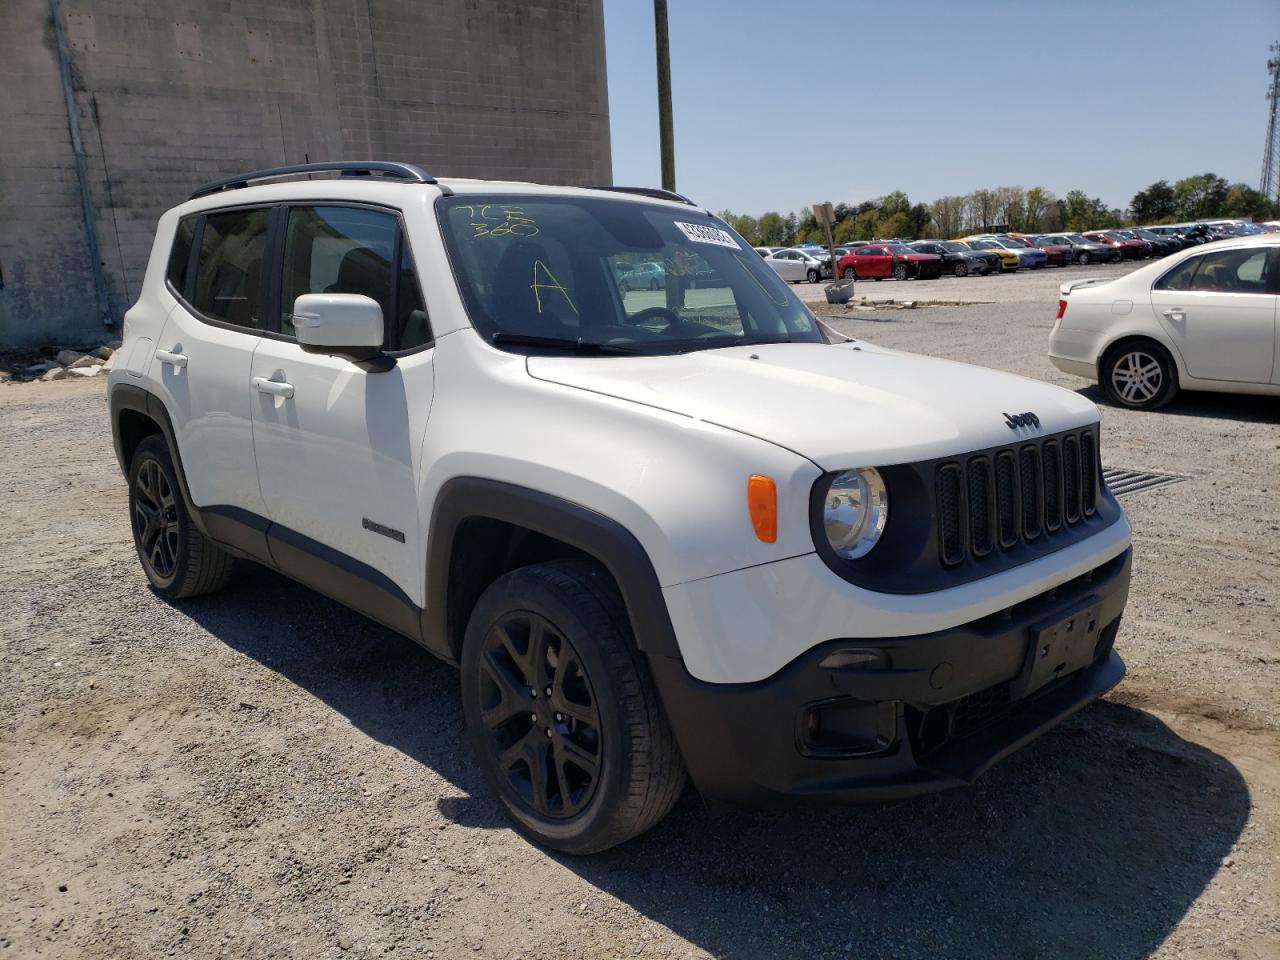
pixel 842 405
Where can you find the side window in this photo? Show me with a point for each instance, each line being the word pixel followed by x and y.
pixel 412 327
pixel 1179 278
pixel 338 250
pixel 180 255
pixel 229 271
pixel 1231 271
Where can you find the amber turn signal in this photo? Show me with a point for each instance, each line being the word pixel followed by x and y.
pixel 762 502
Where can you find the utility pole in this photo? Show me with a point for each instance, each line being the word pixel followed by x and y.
pixel 666 128
pixel 1270 186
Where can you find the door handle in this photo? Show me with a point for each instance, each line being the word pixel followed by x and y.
pixel 277 388
pixel 1175 313
pixel 176 360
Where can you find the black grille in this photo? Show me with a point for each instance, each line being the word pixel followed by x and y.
pixel 1002 498
pixel 950 510
pixel 973 712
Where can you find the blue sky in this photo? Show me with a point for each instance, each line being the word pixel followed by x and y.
pixel 940 97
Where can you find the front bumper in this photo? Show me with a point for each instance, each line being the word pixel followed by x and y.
pixel 929 712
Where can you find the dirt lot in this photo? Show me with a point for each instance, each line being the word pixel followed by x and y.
pixel 264 774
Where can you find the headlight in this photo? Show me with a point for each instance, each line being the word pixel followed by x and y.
pixel 854 512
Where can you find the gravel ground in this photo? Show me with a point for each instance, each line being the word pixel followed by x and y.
pixel 265 774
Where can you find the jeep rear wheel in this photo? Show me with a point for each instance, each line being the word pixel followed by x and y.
pixel 561 710
pixel 177 559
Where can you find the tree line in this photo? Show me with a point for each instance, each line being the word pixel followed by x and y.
pixel 1011 209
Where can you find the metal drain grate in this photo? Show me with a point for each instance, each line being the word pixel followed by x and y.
pixel 1124 483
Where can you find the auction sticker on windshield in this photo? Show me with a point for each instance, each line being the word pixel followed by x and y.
pixel 700 233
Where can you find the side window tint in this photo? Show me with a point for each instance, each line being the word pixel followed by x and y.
pixel 338 250
pixel 1231 271
pixel 229 273
pixel 1179 278
pixel 180 255
pixel 412 326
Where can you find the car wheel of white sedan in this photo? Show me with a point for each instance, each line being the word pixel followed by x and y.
pixel 1140 376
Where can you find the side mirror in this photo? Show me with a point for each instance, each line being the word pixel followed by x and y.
pixel 346 325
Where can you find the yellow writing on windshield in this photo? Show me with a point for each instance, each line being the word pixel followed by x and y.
pixel 499 220
pixel 544 279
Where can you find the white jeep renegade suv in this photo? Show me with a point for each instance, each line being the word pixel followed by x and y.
pixel 659 530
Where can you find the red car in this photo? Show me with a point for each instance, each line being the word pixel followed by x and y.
pixel 880 260
pixel 1059 255
pixel 1129 249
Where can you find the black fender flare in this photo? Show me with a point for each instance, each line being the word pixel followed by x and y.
pixel 601 537
pixel 126 396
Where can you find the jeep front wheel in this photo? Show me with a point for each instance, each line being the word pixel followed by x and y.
pixel 177 559
pixel 561 710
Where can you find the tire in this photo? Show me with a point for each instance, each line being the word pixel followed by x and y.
pixel 848 273
pixel 610 720
pixel 1140 375
pixel 961 269
pixel 900 271
pixel 813 276
pixel 653 284
pixel 178 560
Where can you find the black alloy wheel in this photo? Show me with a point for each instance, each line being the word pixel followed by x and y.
pixel 542 715
pixel 848 273
pixel 961 269
pixel 177 558
pixel 1082 257
pixel 155 521
pixel 901 271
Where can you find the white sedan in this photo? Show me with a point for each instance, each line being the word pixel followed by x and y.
pixel 793 265
pixel 1201 319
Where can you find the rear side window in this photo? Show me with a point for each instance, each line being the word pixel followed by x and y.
pixel 229 271
pixel 1223 271
pixel 180 255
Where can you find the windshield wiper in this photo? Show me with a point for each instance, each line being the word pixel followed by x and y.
pixel 579 346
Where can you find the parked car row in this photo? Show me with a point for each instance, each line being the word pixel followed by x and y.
pixel 986 253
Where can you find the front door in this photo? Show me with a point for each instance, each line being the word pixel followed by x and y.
pixel 1220 313
pixel 338 444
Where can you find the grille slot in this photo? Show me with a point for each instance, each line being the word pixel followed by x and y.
pixel 1089 474
pixel 1032 492
pixel 1049 456
pixel 1008 508
pixel 1071 478
pixel 997 500
pixel 981 506
pixel 951 539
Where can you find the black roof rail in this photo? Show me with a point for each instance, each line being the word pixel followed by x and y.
pixel 388 170
pixel 651 192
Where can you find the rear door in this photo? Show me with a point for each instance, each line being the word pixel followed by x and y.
pixel 338 443
pixel 204 352
pixel 1219 308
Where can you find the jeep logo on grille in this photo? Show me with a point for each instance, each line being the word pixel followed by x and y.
pixel 1016 420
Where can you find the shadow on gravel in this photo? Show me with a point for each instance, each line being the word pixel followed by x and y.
pixel 1094 841
pixel 1217 406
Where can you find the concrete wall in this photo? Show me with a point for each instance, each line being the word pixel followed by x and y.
pixel 173 93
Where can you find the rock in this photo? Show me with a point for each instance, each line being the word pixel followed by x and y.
pixel 111 363
pixel 38 368
pixel 55 373
pixel 85 371
pixel 85 361
pixel 68 357
pixel 344 943
pixel 103 353
pixel 114 345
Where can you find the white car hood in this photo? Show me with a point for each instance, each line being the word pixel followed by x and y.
pixel 840 405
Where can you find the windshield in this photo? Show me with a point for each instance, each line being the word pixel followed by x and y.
pixel 1122 235
pixel 900 249
pixel 952 247
pixel 1013 242
pixel 1077 238
pixel 582 272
